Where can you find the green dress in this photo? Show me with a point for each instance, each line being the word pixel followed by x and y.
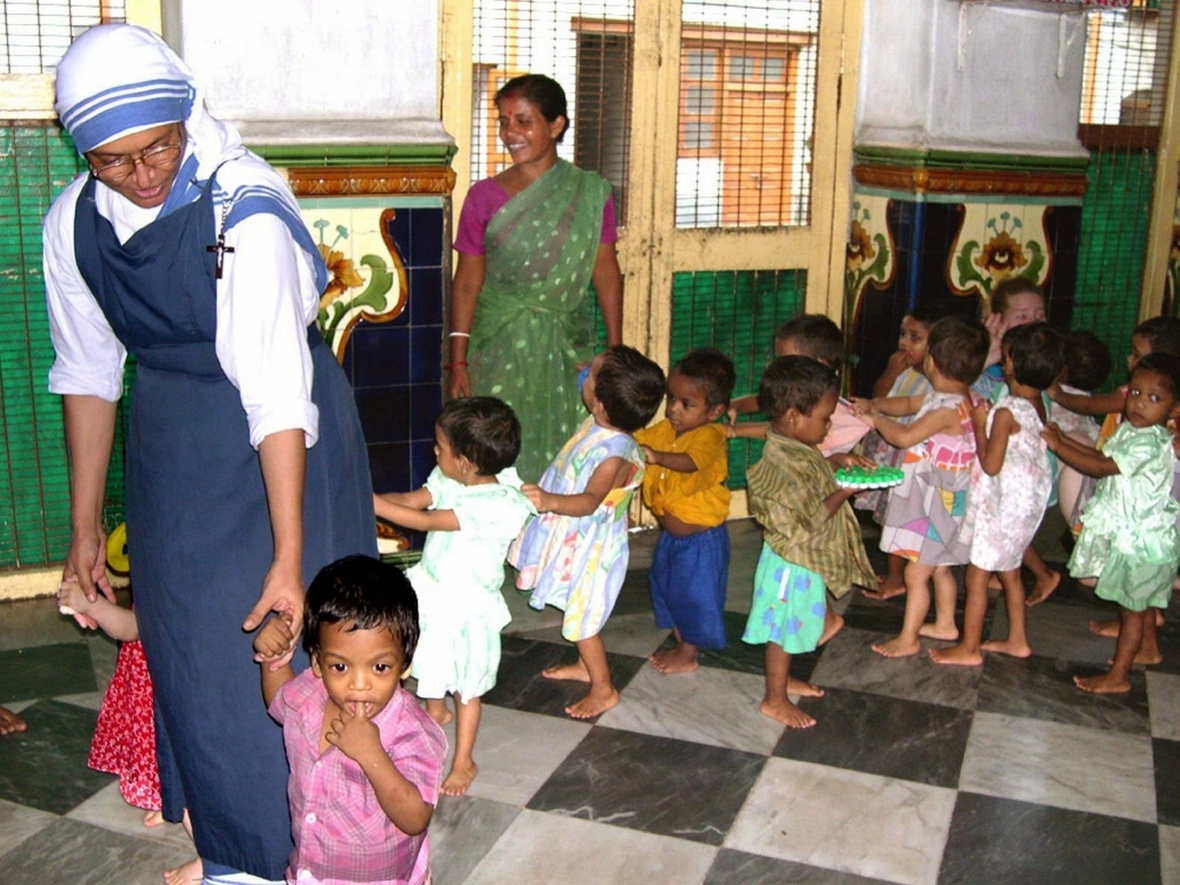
pixel 1129 538
pixel 534 322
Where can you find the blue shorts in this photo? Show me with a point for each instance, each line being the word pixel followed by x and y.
pixel 688 579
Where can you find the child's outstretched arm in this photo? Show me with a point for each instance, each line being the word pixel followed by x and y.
pixel 273 642
pixel 903 436
pixel 408 509
pixel 1082 458
pixel 746 430
pixel 1098 404
pixel 116 622
pixel 608 475
pixel 681 462
pixel 743 405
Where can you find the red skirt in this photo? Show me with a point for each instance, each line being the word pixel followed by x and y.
pixel 124 741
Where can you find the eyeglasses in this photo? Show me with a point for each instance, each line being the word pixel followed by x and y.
pixel 121 168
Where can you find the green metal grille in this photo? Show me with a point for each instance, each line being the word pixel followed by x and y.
pixel 736 312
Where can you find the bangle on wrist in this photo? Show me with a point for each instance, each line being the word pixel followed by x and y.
pixel 459 335
pixel 454 365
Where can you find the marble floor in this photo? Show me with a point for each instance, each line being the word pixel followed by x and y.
pixel 1003 773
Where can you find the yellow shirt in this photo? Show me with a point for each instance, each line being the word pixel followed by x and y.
pixel 700 497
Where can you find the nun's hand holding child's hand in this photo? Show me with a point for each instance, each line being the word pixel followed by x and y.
pixel 274 640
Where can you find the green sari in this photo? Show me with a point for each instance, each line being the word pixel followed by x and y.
pixel 534 322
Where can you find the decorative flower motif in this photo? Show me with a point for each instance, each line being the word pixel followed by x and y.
pixel 860 247
pixel 1002 256
pixel 344 275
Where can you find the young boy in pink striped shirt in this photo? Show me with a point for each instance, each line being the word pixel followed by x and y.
pixel 366 761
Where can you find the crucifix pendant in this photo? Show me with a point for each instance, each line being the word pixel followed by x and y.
pixel 220 248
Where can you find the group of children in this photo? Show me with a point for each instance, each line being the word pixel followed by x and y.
pixel 978 454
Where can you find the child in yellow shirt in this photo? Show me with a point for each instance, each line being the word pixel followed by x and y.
pixel 685 486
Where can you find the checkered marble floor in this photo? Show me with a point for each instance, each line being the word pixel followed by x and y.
pixel 915 773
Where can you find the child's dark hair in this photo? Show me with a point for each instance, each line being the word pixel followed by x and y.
pixel 959 348
pixel 629 386
pixel 1009 289
pixel 711 369
pixel 544 92
pixel 815 336
pixel 482 429
pixel 367 593
pixel 1162 333
pixel 1037 351
pixel 794 382
pixel 1087 360
pixel 925 314
pixel 1163 365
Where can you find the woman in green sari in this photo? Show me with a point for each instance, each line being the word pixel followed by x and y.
pixel 531 241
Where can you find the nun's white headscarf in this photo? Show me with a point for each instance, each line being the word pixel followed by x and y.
pixel 116 80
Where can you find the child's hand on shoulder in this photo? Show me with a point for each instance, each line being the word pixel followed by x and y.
pixel 538 497
pixel 979 412
pixel 863 408
pixel 850 459
pixel 652 457
pixel 71 600
pixel 354 734
pixel 1052 436
pixel 275 639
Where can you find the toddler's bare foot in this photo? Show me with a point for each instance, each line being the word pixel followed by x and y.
pixel 801 689
pixel 933 631
pixel 10 722
pixel 1103 684
pixel 193 871
pixel 436 709
pixel 887 588
pixel 1109 629
pixel 596 702
pixel 1043 589
pixel 956 654
pixel 576 672
pixel 788 714
pixel 1007 647
pixel 833 624
pixel 897 648
pixel 680 658
pixel 153 818
pixel 459 779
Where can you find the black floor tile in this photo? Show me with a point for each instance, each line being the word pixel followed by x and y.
pixel 45 766
pixel 654 784
pixel 1002 840
pixel 1167 780
pixel 45 671
pixel 739 868
pixel 890 737
pixel 745 658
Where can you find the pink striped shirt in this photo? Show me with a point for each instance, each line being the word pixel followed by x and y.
pixel 341 833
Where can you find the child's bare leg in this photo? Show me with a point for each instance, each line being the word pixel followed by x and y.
pixel 1046 579
pixel 945 593
pixel 833 624
pixel 436 709
pixel 776 704
pixel 892 583
pixel 193 871
pixel 1017 642
pixel 602 695
pixel 10 722
pixel 1130 638
pixel 917 604
pixel 967 652
pixel 463 767
pixel 1110 629
pixel 683 657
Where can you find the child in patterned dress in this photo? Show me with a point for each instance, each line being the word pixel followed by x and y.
pixel 1129 539
pixel 573 556
pixel 1010 489
pixel 124 742
pixel 471 508
pixel 812 542
pixel 687 457
pixel 924 514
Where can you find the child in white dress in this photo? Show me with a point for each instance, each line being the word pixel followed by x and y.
pixel 1010 489
pixel 573 556
pixel 472 509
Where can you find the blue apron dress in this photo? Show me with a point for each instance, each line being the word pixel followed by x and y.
pixel 199 527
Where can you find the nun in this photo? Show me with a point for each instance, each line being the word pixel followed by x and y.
pixel 246 468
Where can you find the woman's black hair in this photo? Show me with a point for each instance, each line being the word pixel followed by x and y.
pixel 1037 351
pixel 959 348
pixel 543 92
pixel 629 386
pixel 368 594
pixel 1087 360
pixel 710 368
pixel 482 429
pixel 1163 365
pixel 816 336
pixel 794 382
pixel 1162 333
